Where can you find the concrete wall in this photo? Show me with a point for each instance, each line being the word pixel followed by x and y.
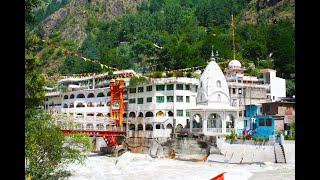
pixel 250 151
pixel 97 143
pixel 244 153
pixel 289 150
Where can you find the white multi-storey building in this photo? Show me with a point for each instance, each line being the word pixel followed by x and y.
pixel 245 90
pixel 158 106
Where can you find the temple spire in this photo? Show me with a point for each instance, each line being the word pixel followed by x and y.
pixel 212 55
pixel 234 44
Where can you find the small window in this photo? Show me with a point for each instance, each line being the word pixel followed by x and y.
pixel 267 107
pixel 180 113
pixel 169 98
pixel 233 90
pixel 132 101
pixel 160 87
pixel 149 99
pixel 179 86
pixel 149 88
pixel 188 87
pixel 269 122
pixel 132 90
pixel 140 89
pixel 261 122
pixel 219 98
pixel 187 113
pixel 179 98
pixel 188 99
pixel 169 87
pixel 218 84
pixel 140 100
pixel 240 91
pixel 160 99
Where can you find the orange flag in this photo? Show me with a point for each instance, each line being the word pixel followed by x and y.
pixel 219 177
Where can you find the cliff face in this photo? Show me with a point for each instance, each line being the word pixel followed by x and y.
pixel 268 11
pixel 72 19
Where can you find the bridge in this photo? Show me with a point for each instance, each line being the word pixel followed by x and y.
pixel 108 136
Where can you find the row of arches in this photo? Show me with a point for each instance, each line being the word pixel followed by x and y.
pixel 90 95
pixel 89 104
pixel 134 127
pixel 150 127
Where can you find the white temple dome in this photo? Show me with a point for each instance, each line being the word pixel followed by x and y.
pixel 234 64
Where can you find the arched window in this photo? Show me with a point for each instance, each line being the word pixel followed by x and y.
pixel 140 114
pixel 91 95
pixel 218 84
pixel 124 115
pixel 158 126
pixel 89 127
pixel 71 105
pixel 65 97
pixel 169 126
pixel 170 113
pixel 132 127
pixel 159 114
pixel 219 98
pixel 99 127
pixel 72 96
pixel 80 96
pixel 100 94
pixel 149 127
pixel 65 105
pixel 149 114
pixel 132 114
pixel 179 126
pixel 140 127
pixel 109 93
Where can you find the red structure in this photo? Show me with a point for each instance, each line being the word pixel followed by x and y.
pixel 108 136
pixel 116 101
pixel 116 114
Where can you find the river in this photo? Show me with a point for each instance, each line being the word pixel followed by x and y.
pixel 131 166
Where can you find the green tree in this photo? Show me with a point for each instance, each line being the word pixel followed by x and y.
pixel 34 81
pixel 48 150
pixel 290 87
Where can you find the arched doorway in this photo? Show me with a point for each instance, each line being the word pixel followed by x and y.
pixel 214 123
pixel 197 121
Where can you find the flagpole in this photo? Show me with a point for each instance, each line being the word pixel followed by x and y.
pixel 234 45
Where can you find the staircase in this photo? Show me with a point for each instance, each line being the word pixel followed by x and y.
pixel 279 153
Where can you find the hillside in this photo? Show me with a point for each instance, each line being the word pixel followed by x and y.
pixel 268 11
pixel 123 33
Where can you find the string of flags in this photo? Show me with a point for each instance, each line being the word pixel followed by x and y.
pixel 103 66
pixel 66 51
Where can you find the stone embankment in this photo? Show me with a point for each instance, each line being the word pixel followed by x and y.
pixel 207 148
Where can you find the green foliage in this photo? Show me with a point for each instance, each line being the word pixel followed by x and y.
pixel 291 135
pixel 156 74
pixel 179 74
pixel 232 136
pixel 134 81
pixel 290 87
pixel 45 146
pixel 169 74
pixel 186 30
pixel 189 74
pixel 34 81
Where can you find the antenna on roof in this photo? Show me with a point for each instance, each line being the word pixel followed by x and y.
pixel 234 45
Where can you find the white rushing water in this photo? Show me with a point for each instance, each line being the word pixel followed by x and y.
pixel 131 166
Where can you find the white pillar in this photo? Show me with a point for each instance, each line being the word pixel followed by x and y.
pixel 204 123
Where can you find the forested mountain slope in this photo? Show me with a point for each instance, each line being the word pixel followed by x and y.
pixel 124 34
